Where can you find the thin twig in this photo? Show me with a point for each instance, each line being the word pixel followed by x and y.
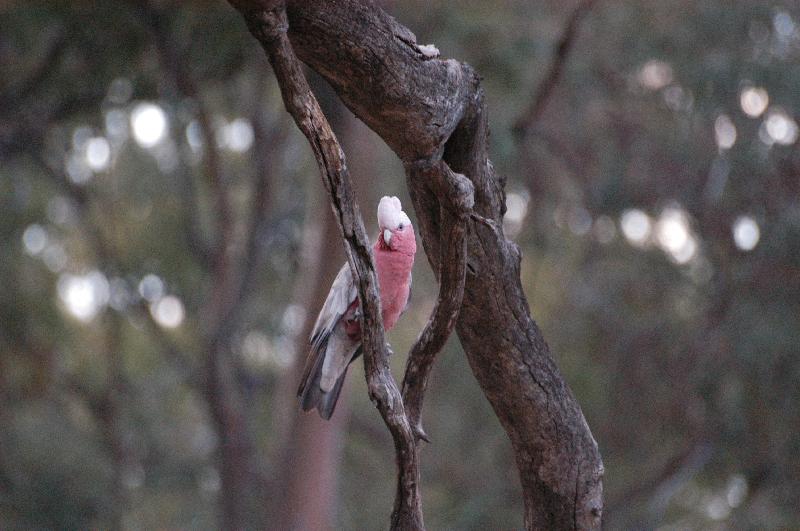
pixel 268 23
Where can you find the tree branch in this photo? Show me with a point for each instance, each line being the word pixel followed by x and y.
pixel 268 23
pixel 455 193
pixel 267 141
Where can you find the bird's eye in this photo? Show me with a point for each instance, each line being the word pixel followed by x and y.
pixel 400 227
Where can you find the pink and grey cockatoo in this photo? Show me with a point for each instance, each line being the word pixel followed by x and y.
pixel 336 338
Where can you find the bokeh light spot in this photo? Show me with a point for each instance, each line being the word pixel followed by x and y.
pixel 754 101
pixel 98 153
pixel 778 128
pixel 83 296
pixel 784 25
pixel 579 221
pixel 238 135
pixel 34 239
pixel 168 311
pixel 655 74
pixel 78 169
pixel 55 257
pixel 149 124
pixel 604 229
pixel 746 233
pixel 724 132
pixel 636 226
pixel 516 209
pixel 194 136
pixel 717 508
pixel 737 490
pixel 116 123
pixel 151 288
pixel 674 235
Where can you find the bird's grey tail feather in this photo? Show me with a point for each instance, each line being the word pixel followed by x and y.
pixel 329 399
pixel 312 396
pixel 309 391
pixel 327 402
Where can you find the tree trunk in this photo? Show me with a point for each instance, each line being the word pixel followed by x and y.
pixel 430 110
pixel 419 106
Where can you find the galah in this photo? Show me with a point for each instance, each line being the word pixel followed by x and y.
pixel 336 338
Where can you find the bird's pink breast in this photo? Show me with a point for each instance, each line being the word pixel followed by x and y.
pixel 394 279
pixel 394 282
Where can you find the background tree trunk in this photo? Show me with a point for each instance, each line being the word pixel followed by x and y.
pixel 312 446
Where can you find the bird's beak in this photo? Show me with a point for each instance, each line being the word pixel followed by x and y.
pixel 387 236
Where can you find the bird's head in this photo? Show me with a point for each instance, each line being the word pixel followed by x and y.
pixel 397 233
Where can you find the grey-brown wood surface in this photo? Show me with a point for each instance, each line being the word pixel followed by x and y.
pixel 431 112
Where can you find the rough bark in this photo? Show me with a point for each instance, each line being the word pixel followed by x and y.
pixel 428 110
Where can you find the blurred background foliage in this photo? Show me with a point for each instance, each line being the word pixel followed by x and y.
pixel 165 241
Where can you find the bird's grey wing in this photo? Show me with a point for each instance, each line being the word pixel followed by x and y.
pixel 342 294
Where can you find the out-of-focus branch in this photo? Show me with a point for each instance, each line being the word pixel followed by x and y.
pixel 267 22
pixel 112 415
pixel 542 94
pixel 526 126
pixel 231 283
pixel 455 193
pixel 181 86
pixel 660 487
